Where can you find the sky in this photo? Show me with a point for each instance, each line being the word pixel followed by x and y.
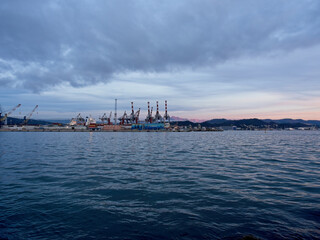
pixel 209 58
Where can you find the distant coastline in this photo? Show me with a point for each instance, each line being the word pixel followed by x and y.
pixel 16 124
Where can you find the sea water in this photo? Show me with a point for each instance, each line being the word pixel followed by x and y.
pixel 160 185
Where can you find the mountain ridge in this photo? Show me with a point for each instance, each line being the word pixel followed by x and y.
pixel 252 122
pixel 268 121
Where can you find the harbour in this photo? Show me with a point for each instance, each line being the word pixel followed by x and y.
pixel 160 120
pixel 126 122
pixel 151 122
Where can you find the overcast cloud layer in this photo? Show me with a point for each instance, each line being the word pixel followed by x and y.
pixel 254 43
pixel 45 43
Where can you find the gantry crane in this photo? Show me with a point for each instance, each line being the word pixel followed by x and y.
pixel 152 118
pixel 158 117
pixel 4 118
pixel 27 118
pixel 166 117
pixel 149 115
pixel 132 115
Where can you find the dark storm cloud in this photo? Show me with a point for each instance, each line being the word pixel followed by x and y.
pixel 46 43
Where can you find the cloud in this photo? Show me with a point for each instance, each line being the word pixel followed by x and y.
pixel 48 43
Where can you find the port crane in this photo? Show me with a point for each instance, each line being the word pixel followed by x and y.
pixel 4 118
pixel 131 117
pixel 105 118
pixel 149 115
pixel 80 120
pixel 124 118
pixel 27 118
pixel 158 117
pixel 136 116
pixel 109 119
pixel 151 118
pixel 166 117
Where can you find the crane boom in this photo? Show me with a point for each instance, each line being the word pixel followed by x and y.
pixel 7 114
pixel 136 116
pixel 109 118
pixel 103 118
pixel 27 118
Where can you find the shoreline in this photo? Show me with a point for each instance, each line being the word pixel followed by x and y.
pixel 88 130
pixel 136 130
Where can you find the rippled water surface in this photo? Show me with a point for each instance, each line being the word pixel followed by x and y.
pixel 205 185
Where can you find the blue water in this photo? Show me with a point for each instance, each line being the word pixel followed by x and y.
pixel 201 185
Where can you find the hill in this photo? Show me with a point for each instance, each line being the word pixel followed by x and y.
pixel 238 123
pixel 294 121
pixel 248 123
pixel 19 121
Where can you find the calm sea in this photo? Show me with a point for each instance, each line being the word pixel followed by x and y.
pixel 197 185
